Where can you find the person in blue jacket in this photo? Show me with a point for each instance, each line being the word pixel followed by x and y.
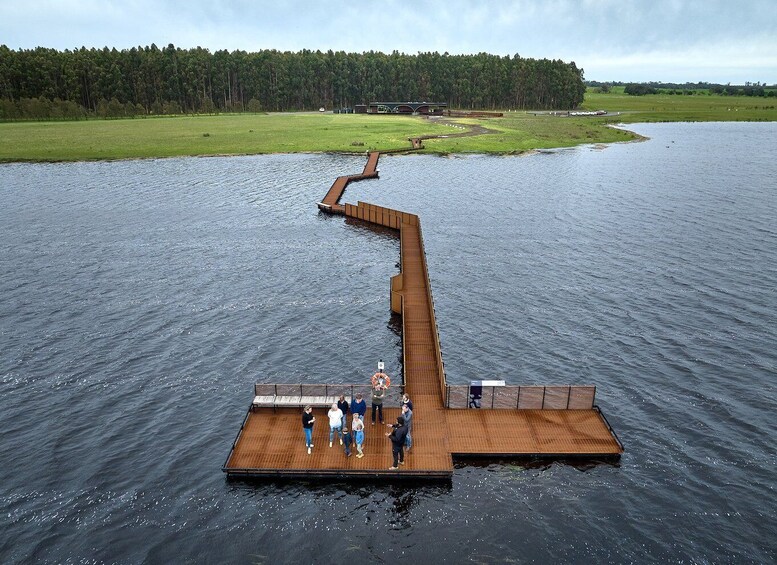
pixel 359 406
pixel 358 431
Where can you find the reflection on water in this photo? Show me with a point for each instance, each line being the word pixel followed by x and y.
pixel 142 299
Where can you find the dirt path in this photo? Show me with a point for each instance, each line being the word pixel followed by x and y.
pixel 474 129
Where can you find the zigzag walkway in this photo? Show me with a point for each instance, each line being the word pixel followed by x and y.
pixel 270 442
pixel 331 202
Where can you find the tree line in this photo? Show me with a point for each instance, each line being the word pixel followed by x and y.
pixel 44 83
pixel 643 88
pixel 748 90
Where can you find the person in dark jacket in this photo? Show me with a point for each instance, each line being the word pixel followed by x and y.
pixel 378 393
pixel 307 425
pixel 342 404
pixel 347 441
pixel 359 406
pixel 407 414
pixel 397 436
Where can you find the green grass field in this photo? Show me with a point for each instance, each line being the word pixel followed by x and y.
pixel 683 108
pixel 235 134
pixel 229 134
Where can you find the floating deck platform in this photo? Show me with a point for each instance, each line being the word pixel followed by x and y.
pixel 559 421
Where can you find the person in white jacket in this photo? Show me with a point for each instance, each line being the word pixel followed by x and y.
pixel 335 424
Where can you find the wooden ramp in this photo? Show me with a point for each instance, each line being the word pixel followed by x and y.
pixel 271 442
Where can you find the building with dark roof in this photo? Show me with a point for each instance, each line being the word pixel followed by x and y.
pixel 434 108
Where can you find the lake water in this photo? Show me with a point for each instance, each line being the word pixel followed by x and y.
pixel 142 299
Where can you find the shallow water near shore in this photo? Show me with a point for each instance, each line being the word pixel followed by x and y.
pixel 142 299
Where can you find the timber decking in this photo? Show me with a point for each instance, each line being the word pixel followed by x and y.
pixel 271 442
pixel 272 445
pixel 331 202
pixel 563 433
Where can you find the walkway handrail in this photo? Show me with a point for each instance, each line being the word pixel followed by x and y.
pixel 324 389
pixel 524 397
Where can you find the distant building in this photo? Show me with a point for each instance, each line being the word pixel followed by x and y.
pixel 425 108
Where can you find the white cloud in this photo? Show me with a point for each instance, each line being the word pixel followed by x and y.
pixel 725 61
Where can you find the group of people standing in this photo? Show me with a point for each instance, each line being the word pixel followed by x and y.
pixel 400 434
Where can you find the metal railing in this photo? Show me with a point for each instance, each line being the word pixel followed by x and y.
pixel 393 393
pixel 567 397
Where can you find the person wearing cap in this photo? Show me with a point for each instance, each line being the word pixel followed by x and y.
pixel 397 436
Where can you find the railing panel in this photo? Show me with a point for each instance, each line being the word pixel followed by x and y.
pixel 556 398
pixel 506 397
pixel 457 396
pixel 582 397
pixel 530 397
pixel 487 398
pixel 313 390
pixel 264 389
pixel 288 390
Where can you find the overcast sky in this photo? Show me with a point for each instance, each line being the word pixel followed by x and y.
pixel 621 40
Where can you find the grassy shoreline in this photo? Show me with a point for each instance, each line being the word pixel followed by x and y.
pixel 241 134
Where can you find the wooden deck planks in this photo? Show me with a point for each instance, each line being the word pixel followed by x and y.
pixel 529 432
pixel 273 443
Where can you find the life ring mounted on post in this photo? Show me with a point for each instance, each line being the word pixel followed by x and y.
pixel 381 380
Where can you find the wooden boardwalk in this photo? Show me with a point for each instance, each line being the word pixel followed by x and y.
pixel 331 202
pixel 271 443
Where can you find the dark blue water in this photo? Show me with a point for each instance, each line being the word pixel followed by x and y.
pixel 141 300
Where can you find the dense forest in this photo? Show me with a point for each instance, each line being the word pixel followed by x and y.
pixel 47 83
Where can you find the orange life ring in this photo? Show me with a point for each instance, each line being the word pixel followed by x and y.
pixel 378 377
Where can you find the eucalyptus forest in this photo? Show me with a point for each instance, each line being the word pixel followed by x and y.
pixel 45 83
